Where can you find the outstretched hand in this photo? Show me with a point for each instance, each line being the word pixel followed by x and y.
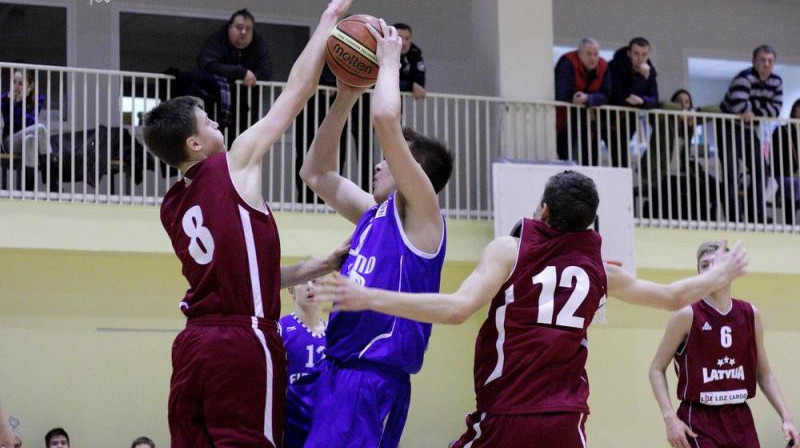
pixel 389 42
pixel 337 258
pixel 730 264
pixel 344 293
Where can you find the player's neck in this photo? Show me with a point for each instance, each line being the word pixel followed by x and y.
pixel 721 300
pixel 311 319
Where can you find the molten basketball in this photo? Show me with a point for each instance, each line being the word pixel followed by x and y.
pixel 351 51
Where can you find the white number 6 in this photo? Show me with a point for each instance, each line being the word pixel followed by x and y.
pixel 725 336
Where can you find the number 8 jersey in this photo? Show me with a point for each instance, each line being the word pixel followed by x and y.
pixel 229 251
pixel 530 355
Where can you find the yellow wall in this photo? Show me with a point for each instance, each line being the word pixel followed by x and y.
pixel 87 318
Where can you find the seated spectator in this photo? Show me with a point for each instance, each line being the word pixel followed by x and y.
pixel 412 67
pixel 582 78
pixel 20 110
pixel 633 84
pixel 754 92
pixel 56 438
pixel 237 52
pixel 143 442
pixel 673 182
pixel 784 164
pixel 669 141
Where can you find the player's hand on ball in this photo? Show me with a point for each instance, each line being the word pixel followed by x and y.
pixel 390 44
pixel 677 432
pixel 344 293
pixel 345 89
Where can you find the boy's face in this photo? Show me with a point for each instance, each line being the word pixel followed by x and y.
pixel 208 135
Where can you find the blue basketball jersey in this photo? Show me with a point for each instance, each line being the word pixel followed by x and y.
pixel 381 256
pixel 305 351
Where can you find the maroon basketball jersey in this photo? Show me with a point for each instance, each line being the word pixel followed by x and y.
pixel 230 251
pixel 530 355
pixel 717 363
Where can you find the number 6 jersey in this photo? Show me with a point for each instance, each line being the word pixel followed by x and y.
pixel 229 251
pixel 530 355
pixel 717 363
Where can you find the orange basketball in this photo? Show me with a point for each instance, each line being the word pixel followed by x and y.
pixel 351 51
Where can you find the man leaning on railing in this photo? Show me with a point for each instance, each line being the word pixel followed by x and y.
pixel 582 78
pixel 754 92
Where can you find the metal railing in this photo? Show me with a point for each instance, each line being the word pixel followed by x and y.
pixel 690 169
pixel 79 141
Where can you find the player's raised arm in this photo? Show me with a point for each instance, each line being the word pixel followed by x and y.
pixel 769 384
pixel 320 169
pixel 423 222
pixel 249 148
pixel 728 265
pixel 494 267
pixel 677 329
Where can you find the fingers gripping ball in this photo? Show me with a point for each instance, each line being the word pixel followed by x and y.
pixel 351 49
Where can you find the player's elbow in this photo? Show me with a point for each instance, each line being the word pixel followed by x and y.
pixel 456 317
pixel 384 116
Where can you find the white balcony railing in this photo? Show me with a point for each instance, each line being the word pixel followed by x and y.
pixel 690 169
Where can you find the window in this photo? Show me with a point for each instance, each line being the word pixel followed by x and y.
pixel 33 34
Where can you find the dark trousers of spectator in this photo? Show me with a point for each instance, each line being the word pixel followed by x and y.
pixel 739 146
pixel 306 126
pixel 789 189
pixel 622 125
pixel 579 140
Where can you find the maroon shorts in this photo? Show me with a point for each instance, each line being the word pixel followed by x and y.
pixel 725 426
pixel 228 384
pixel 551 430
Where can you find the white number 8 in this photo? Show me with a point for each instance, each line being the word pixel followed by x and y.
pixel 725 336
pixel 193 226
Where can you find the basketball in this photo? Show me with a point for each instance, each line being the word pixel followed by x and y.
pixel 350 51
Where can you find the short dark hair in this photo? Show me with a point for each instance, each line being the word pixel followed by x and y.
pixel 143 440
pixel 244 12
pixel 764 49
pixel 168 125
pixel 53 433
pixel 433 155
pixel 572 200
pixel 403 26
pixel 674 97
pixel 795 107
pixel 640 41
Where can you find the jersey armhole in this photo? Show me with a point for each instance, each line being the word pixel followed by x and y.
pixel 407 242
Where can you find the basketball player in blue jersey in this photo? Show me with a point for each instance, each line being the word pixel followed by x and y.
pixel 399 244
pixel 303 334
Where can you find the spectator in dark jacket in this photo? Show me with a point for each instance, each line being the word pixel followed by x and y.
pixel 412 67
pixel 582 78
pixel 237 52
pixel 633 84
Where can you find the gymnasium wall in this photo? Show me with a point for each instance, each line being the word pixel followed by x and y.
pixel 86 326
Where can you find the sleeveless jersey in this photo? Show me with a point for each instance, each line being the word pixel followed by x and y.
pixel 305 351
pixel 717 364
pixel 381 256
pixel 530 354
pixel 229 251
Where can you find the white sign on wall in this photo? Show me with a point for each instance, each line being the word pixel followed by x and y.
pixel 518 189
